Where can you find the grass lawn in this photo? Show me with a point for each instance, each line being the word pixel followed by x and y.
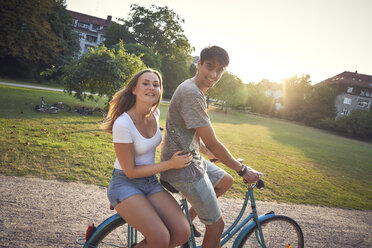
pixel 301 164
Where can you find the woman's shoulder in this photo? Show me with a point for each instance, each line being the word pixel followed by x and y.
pixel 122 120
pixel 157 112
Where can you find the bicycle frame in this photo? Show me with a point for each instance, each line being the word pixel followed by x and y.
pixel 252 219
pixel 250 222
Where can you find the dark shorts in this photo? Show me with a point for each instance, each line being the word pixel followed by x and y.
pixel 121 187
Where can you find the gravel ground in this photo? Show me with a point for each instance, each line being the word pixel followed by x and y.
pixel 49 213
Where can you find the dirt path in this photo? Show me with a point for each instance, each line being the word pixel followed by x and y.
pixel 49 213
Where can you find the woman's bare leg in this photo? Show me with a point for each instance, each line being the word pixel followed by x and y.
pixel 139 212
pixel 172 216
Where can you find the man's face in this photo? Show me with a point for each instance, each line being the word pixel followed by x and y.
pixel 209 73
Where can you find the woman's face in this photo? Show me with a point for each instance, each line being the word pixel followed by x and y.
pixel 148 88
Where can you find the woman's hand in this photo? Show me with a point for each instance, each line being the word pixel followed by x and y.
pixel 180 160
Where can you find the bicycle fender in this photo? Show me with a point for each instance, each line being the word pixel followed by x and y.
pixel 104 225
pixel 250 226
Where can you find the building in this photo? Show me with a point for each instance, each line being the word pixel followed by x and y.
pixel 91 29
pixel 274 90
pixel 355 92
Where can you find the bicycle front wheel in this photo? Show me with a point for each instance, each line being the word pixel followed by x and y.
pixel 278 232
pixel 116 234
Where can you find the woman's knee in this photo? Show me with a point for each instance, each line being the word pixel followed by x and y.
pixel 181 234
pixel 159 239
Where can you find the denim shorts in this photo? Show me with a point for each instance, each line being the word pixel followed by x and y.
pixel 215 173
pixel 201 194
pixel 121 187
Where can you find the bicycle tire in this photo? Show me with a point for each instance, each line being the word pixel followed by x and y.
pixel 115 234
pixel 50 110
pixel 63 107
pixel 99 111
pixel 278 231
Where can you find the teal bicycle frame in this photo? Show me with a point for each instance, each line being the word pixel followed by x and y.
pixel 240 227
pixel 252 219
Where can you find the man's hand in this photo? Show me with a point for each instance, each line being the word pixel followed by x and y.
pixel 251 176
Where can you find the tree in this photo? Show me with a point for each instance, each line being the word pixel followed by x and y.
pixel 160 29
pixel 319 104
pixel 149 58
pixel 295 90
pixel 257 100
pixel 26 35
pixel 28 38
pixel 175 71
pixel 101 71
pixel 229 90
pixel 357 124
pixel 63 26
pixel 117 32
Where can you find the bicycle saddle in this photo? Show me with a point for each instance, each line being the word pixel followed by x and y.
pixel 168 187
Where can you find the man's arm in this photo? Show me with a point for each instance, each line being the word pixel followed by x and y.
pixel 203 149
pixel 210 140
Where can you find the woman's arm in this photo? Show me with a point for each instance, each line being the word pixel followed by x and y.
pixel 125 156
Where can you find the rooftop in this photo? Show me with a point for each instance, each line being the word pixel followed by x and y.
pixel 350 78
pixel 90 19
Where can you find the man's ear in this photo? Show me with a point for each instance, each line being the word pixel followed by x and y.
pixel 199 64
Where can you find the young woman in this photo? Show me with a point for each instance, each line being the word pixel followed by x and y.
pixel 134 190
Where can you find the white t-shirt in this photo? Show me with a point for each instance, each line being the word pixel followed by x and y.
pixel 124 131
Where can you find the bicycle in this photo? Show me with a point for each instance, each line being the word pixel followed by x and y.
pixel 87 111
pixel 268 230
pixel 52 108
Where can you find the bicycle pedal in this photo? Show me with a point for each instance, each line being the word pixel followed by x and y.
pixel 197 234
pixel 185 245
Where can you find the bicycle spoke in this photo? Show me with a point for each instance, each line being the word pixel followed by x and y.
pixel 278 232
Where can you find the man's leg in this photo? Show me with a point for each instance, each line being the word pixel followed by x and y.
pixel 213 234
pixel 223 186
pixel 221 181
pixel 202 197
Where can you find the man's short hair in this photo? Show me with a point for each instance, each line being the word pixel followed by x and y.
pixel 217 53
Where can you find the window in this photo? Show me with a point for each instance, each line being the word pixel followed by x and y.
pixel 349 90
pixel 81 36
pixel 91 38
pixel 363 103
pixel 83 25
pixel 367 93
pixel 345 112
pixel 362 93
pixel 347 100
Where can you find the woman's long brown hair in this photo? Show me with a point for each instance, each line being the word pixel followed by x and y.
pixel 123 100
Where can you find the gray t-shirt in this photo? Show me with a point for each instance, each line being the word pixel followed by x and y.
pixel 187 111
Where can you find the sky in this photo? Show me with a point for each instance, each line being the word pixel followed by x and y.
pixel 268 39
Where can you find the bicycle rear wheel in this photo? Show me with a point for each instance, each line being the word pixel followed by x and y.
pixel 278 231
pixel 115 234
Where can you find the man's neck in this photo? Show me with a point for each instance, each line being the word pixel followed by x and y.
pixel 202 88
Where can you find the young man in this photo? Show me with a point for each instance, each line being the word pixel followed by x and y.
pixel 187 123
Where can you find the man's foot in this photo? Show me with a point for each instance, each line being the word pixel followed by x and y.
pixel 197 234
